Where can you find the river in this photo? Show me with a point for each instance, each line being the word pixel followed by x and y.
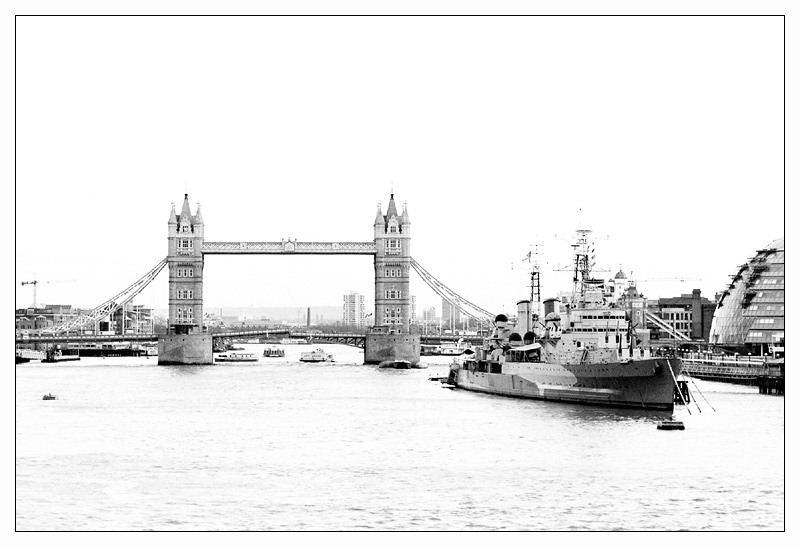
pixel 284 445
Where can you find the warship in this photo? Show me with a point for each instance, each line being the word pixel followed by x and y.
pixel 586 352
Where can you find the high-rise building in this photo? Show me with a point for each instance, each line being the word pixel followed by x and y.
pixel 353 310
pixel 430 323
pixel 451 316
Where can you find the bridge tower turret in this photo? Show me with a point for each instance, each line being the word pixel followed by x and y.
pixel 393 269
pixel 185 263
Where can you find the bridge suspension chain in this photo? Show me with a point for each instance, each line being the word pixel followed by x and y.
pixel 464 306
pixel 111 305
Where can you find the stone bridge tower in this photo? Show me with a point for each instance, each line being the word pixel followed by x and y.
pixel 185 342
pixel 392 269
pixel 391 338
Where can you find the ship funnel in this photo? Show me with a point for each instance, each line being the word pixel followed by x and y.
pixel 524 323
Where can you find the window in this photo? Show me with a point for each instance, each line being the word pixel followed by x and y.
pixel 185 229
pixel 392 316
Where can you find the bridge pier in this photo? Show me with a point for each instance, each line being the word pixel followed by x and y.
pixel 381 345
pixel 185 349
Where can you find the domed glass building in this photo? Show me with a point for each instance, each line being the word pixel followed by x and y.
pixel 749 317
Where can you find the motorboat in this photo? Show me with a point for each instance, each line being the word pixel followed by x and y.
pixel 317 356
pixel 274 352
pixel 236 358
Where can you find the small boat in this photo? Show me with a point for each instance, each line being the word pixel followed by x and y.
pixel 316 356
pixel 429 350
pixel 236 357
pixel 149 349
pixel 397 363
pixel 292 341
pixel 451 348
pixel 49 397
pixel 274 352
pixel 253 341
pixel 28 355
pixel 670 424
pixel 55 355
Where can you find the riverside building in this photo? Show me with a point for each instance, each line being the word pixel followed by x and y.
pixel 750 312
pixel 353 310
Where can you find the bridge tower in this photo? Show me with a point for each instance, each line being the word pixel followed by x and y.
pixel 392 269
pixel 185 342
pixel 391 338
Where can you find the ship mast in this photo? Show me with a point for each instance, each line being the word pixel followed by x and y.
pixel 583 265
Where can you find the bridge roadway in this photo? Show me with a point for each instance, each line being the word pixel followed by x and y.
pixel 349 339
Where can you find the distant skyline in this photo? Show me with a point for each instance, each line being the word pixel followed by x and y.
pixel 662 135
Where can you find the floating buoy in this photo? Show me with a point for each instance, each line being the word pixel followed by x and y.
pixel 670 424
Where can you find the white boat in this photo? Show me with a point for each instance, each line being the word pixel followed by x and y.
pixel 451 348
pixel 27 355
pixel 236 357
pixel 274 352
pixel 292 341
pixel 149 349
pixel 316 356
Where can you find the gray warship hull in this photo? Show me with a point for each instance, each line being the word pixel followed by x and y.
pixel 644 383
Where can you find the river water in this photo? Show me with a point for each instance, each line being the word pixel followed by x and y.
pixel 283 445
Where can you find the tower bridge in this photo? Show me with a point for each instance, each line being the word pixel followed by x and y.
pixel 187 342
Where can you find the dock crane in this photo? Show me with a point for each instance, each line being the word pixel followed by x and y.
pixel 36 282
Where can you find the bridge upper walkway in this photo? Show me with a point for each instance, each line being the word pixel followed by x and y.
pixel 288 247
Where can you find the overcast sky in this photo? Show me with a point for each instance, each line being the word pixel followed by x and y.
pixel 662 135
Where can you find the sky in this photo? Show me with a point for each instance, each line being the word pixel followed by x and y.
pixel 663 135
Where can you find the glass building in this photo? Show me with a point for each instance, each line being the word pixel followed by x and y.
pixel 749 317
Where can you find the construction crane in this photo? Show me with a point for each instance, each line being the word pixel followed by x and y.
pixel 36 282
pixel 632 282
